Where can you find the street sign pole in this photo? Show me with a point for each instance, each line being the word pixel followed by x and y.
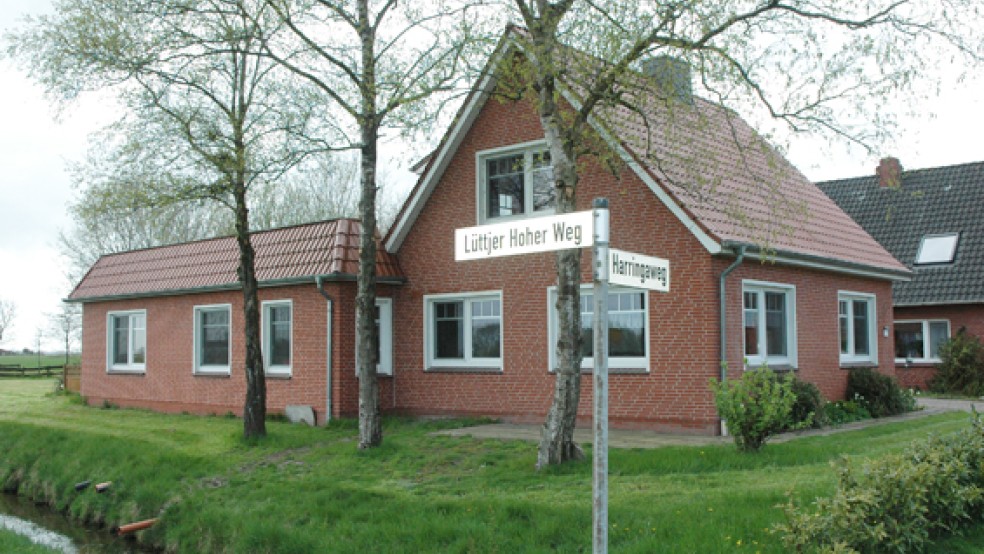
pixel 599 255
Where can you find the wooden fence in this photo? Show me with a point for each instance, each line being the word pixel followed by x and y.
pixel 72 378
pixel 69 373
pixel 18 371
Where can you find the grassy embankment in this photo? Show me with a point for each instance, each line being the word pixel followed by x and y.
pixel 309 489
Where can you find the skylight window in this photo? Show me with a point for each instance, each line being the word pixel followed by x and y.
pixel 937 249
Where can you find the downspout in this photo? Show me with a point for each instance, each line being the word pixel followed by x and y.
pixel 723 307
pixel 319 280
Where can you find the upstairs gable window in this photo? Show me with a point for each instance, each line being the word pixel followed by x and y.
pixel 515 182
pixel 937 249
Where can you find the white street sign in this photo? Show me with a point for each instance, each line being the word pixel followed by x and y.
pixel 525 236
pixel 635 270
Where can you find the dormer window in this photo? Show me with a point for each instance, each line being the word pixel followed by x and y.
pixel 937 249
pixel 515 182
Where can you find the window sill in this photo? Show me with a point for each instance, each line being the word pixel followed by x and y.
pixel 516 217
pixel 126 371
pixel 616 371
pixel 916 364
pixel 858 365
pixel 200 373
pixel 442 369
pixel 278 376
pixel 773 367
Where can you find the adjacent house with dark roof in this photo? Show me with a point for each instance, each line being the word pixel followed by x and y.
pixel 765 270
pixel 933 221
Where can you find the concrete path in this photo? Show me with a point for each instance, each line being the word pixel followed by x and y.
pixel 951 405
pixel 635 438
pixel 617 438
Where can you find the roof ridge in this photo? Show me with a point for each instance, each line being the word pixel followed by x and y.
pixel 842 180
pixel 225 237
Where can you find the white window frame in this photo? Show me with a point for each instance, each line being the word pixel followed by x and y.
pixel 528 149
pixel 384 366
pixel 926 339
pixel 851 357
pixel 130 366
pixel 468 362
pixel 938 249
pixel 760 288
pixel 636 363
pixel 211 369
pixel 266 338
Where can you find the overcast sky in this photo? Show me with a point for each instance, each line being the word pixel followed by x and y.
pixel 35 186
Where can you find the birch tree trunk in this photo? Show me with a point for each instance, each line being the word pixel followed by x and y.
pixel 370 427
pixel 254 410
pixel 557 437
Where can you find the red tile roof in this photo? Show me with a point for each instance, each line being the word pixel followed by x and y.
pixel 289 254
pixel 735 185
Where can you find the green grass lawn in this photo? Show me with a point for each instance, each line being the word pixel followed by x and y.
pixel 310 490
pixel 31 360
pixel 12 542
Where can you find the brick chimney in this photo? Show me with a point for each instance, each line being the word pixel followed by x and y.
pixel 671 75
pixel 889 173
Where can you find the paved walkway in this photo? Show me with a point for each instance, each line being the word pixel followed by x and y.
pixel 635 438
pixel 952 405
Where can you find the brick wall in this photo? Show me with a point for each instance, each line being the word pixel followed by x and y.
pixel 683 324
pixel 970 316
pixel 169 383
pixel 817 324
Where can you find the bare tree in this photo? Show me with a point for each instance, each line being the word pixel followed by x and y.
pixel 67 325
pixel 7 313
pixel 102 227
pixel 213 117
pixel 325 187
pixel 807 63
pixel 378 63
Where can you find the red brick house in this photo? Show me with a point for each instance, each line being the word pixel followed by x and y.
pixel 693 183
pixel 930 219
pixel 162 327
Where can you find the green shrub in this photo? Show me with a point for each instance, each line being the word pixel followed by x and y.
pixel 757 406
pixel 961 370
pixel 808 409
pixel 898 503
pixel 879 394
pixel 844 411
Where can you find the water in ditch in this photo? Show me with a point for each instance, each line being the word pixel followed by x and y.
pixel 45 526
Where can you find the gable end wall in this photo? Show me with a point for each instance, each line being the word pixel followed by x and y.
pixel 683 324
